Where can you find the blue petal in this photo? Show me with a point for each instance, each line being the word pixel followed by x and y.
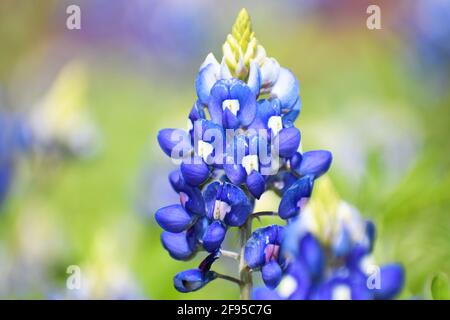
pixel 357 253
pixel 342 245
pixel 235 172
pixel 392 278
pixel 192 196
pixel 240 205
pixel 219 93
pixel 179 245
pixel 265 110
pixel 286 89
pixel 213 237
pixel 300 274
pixel 192 280
pixel 254 250
pixel 288 141
pixel 315 163
pixel 173 218
pixel 168 139
pixel 271 274
pixel 256 184
pixel 210 195
pixel 195 171
pixel 289 204
pixel 296 160
pixel 254 253
pixel 254 78
pixel 264 293
pixel 247 102
pixel 197 112
pixel 229 120
pixel 312 255
pixel 205 81
pixel 290 117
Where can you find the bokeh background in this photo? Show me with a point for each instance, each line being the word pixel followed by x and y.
pixel 378 99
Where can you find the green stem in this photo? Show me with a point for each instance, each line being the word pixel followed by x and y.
pixel 228 278
pixel 246 281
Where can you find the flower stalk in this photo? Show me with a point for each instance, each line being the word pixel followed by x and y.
pixel 245 231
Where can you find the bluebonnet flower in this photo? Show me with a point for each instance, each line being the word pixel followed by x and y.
pixel 241 141
pixel 226 205
pixel 328 252
pixel 263 251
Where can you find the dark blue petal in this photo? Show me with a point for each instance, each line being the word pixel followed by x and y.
pixel 265 110
pixel 210 195
pixel 219 93
pixel 271 274
pixel 291 202
pixel 312 255
pixel 179 245
pixel 235 172
pixel 290 117
pixel 315 163
pixel 205 81
pixel 173 218
pixel 229 120
pixel 342 245
pixel 195 171
pixel 241 206
pixel 247 102
pixel 357 253
pixel 296 160
pixel 303 282
pixel 191 197
pixel 168 139
pixel 197 112
pixel 213 237
pixel 288 141
pixel 286 88
pixel 392 278
pixel 192 280
pixel 264 293
pixel 254 252
pixel 256 184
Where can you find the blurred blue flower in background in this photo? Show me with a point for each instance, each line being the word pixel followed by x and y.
pixel 328 252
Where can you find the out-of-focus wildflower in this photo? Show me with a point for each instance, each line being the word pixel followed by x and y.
pixel 60 122
pixel 328 251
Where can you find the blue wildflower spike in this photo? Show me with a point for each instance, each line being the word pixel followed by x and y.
pixel 242 140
